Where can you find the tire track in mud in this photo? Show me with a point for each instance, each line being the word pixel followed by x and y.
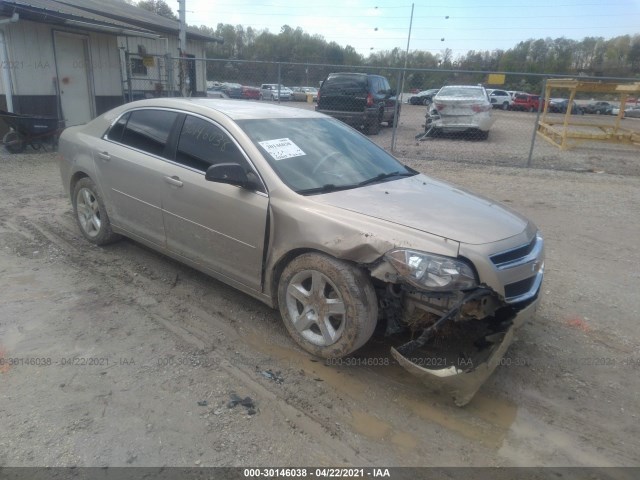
pixel 216 340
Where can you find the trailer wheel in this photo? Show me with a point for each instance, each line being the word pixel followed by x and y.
pixel 14 142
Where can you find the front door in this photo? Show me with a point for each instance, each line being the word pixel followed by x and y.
pixel 219 226
pixel 72 65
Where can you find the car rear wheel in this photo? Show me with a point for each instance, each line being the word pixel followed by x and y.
pixel 91 213
pixel 425 101
pixel 505 106
pixel 372 127
pixel 328 306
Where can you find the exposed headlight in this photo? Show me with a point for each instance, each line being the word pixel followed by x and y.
pixel 433 272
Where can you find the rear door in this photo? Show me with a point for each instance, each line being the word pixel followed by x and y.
pixel 128 160
pixel 219 226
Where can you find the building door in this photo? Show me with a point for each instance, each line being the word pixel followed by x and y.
pixel 72 65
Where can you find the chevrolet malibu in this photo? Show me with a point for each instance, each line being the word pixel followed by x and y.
pixel 309 216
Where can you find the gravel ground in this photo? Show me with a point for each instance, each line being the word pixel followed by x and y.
pixel 145 353
pixel 509 144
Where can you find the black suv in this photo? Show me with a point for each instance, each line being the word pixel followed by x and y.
pixel 359 99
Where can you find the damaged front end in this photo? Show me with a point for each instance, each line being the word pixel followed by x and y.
pixel 448 330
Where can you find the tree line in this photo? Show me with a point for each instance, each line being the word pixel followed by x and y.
pixel 591 56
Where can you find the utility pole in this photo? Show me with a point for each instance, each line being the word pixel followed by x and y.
pixel 182 37
pixel 401 86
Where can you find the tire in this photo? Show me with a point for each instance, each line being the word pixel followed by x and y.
pixel 312 282
pixel 505 106
pixel 260 97
pixel 531 109
pixel 426 101
pixel 13 142
pixel 482 135
pixel 91 214
pixel 372 127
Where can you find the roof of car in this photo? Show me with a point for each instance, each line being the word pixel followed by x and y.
pixel 354 74
pixel 470 87
pixel 234 109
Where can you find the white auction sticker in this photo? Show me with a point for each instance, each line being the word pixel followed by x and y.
pixel 282 148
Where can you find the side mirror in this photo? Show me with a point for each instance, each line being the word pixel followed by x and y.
pixel 230 173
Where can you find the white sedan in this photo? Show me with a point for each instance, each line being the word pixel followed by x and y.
pixel 460 108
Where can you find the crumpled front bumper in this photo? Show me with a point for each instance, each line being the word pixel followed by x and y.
pixel 462 384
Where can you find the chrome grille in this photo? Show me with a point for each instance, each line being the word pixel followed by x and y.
pixel 522 269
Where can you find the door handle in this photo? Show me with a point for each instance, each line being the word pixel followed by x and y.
pixel 175 181
pixel 104 156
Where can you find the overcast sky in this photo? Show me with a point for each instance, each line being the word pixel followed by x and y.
pixel 373 25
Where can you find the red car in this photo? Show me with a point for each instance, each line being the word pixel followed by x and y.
pixel 252 93
pixel 526 102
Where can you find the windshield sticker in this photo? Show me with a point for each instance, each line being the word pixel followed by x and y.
pixel 281 148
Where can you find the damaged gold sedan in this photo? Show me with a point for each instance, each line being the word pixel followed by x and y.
pixel 309 216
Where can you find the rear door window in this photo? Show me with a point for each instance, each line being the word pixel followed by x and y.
pixel 117 129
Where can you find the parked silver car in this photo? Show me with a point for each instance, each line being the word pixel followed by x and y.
pixel 460 108
pixel 307 215
pixel 273 91
pixel 301 94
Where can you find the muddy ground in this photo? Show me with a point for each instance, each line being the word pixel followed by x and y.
pixel 123 357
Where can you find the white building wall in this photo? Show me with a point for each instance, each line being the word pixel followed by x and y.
pixel 31 59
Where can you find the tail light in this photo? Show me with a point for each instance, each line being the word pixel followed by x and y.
pixel 369 100
pixel 480 107
pixel 318 97
pixel 439 106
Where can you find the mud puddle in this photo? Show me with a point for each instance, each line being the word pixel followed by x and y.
pixel 487 419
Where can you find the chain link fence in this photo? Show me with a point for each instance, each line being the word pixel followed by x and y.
pixel 512 139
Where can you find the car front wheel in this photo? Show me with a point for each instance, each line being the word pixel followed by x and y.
pixel 91 213
pixel 328 306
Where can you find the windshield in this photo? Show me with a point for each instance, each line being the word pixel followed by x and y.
pixel 319 155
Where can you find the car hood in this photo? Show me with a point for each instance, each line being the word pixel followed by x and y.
pixel 431 206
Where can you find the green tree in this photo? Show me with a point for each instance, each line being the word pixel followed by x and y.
pixel 159 7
